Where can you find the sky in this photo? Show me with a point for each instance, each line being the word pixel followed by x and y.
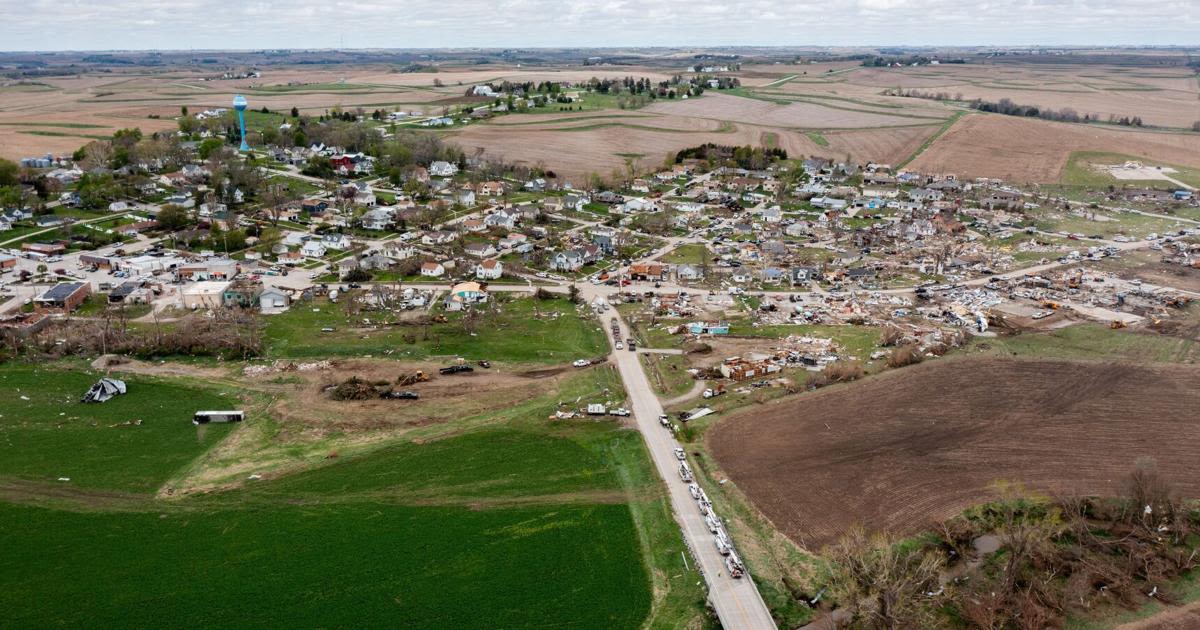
pixel 257 24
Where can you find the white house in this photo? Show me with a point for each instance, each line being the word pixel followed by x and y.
pixel 489 270
pixel 442 168
pixel 339 242
pixel 313 249
pixel 432 270
pixel 480 250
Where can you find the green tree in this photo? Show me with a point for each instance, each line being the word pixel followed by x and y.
pixel 209 146
pixel 9 173
pixel 173 217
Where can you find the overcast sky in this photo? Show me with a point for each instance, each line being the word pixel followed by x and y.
pixel 254 24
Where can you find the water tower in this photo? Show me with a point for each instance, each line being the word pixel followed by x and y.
pixel 239 103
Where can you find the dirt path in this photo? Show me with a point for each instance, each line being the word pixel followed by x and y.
pixel 1181 618
pixel 696 390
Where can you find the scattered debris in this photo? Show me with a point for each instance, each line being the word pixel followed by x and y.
pixel 102 391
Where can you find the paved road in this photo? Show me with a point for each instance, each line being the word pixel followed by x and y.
pixel 737 601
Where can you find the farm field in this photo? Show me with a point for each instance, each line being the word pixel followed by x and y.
pixel 925 442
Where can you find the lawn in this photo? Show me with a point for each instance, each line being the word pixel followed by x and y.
pixel 518 330
pixel 47 433
pixel 691 254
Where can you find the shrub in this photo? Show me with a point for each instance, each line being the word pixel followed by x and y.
pixel 907 354
pixel 837 372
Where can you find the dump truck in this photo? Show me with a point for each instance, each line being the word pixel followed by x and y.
pixel 713 392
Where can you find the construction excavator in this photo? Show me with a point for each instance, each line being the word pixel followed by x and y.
pixel 411 378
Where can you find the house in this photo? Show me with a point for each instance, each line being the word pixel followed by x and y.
pixel 489 270
pixel 64 297
pixel 397 250
pixel 242 294
pixel 7 262
pixel 773 275
pixel 340 242
pixel 828 203
pixel 574 201
pixel 648 271
pixel 640 185
pixel 474 225
pixel 804 275
pixel 506 218
pixel 438 237
pixel 1002 199
pixel 465 196
pixel 442 168
pixel 491 189
pixel 314 206
pixel 432 270
pixel 688 273
pixel 480 250
pixel 512 241
pixel 313 249
pixel 570 260
pixel 375 262
pixel 378 219
pixel 273 300
pixel 465 294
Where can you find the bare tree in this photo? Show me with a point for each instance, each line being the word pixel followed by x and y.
pixel 883 584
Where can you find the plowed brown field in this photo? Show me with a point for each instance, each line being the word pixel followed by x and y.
pixel 1024 150
pixel 923 443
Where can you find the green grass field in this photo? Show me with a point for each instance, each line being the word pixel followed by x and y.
pixel 47 433
pixel 521 330
pixel 1093 342
pixel 519 522
pixel 1079 172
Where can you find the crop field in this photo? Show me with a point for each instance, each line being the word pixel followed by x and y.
pixel 902 449
pixel 397 558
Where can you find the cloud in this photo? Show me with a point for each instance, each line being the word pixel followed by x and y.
pixel 137 24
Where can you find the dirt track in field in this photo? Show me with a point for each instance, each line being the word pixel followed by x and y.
pixel 923 443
